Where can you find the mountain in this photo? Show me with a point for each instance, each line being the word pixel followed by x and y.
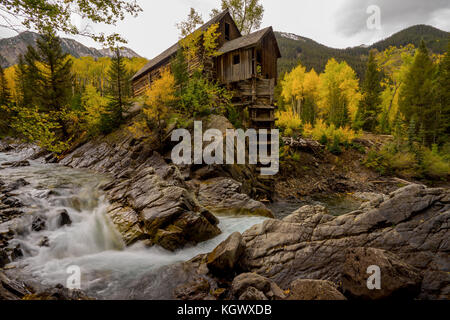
pixel 312 54
pixel 11 48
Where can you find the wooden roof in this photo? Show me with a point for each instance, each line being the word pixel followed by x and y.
pixel 238 43
pixel 167 54
pixel 247 41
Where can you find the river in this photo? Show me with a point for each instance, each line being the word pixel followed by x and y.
pixel 91 242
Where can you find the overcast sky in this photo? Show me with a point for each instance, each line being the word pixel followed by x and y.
pixel 335 23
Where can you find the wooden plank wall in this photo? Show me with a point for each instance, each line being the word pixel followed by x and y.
pixel 228 72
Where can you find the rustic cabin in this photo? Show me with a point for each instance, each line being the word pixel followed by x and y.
pixel 247 65
pixel 242 57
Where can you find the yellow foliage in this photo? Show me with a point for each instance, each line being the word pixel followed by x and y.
pixel 288 122
pixel 95 106
pixel 39 128
pixel 321 129
pixel 158 99
pixel 210 40
pixel 342 76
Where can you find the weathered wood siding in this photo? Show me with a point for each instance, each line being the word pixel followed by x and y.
pixel 234 31
pixel 227 71
pixel 269 57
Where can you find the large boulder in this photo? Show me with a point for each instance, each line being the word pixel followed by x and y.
pixel 302 289
pixel 224 195
pixel 397 278
pixel 412 223
pixel 223 259
pixel 147 207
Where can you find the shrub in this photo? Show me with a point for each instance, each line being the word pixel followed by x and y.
pixel 289 124
pixel 434 165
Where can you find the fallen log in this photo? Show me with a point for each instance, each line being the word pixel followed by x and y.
pixel 302 144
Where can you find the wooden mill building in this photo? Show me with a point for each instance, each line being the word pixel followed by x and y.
pixel 247 65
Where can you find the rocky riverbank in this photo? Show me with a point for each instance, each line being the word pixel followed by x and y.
pixel 313 255
pixel 308 255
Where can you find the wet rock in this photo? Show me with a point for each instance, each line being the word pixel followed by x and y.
pixel 223 195
pixel 17 164
pixel 11 289
pixel 160 211
pixel 4 258
pixel 223 259
pixel 252 294
pixel 38 224
pixel 59 292
pixel 197 289
pixel 45 242
pixel 9 214
pixel 64 218
pixel 314 290
pixel 412 223
pixel 6 147
pixel 16 253
pixel 127 223
pixel 246 280
pixel 398 279
pixel 15 185
pixel 5 237
pixel 12 202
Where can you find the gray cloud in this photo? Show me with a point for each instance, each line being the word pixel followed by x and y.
pixel 351 17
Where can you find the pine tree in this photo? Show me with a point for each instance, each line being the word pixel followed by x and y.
pixel 369 106
pixel 442 89
pixel 5 94
pixel 119 92
pixel 416 98
pixel 179 68
pixel 49 70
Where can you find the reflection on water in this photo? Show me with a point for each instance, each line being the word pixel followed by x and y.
pixel 337 204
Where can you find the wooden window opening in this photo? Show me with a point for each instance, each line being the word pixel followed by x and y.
pixel 236 59
pixel 227 31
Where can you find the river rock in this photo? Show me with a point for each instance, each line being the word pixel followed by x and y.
pixel 266 286
pixel 252 294
pixel 223 195
pixel 44 242
pixel 17 164
pixel 38 224
pixel 16 253
pixel 412 223
pixel 4 258
pixel 15 185
pixel 58 293
pixel 224 257
pixel 11 289
pixel 301 289
pixel 398 279
pixel 197 289
pixel 64 218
